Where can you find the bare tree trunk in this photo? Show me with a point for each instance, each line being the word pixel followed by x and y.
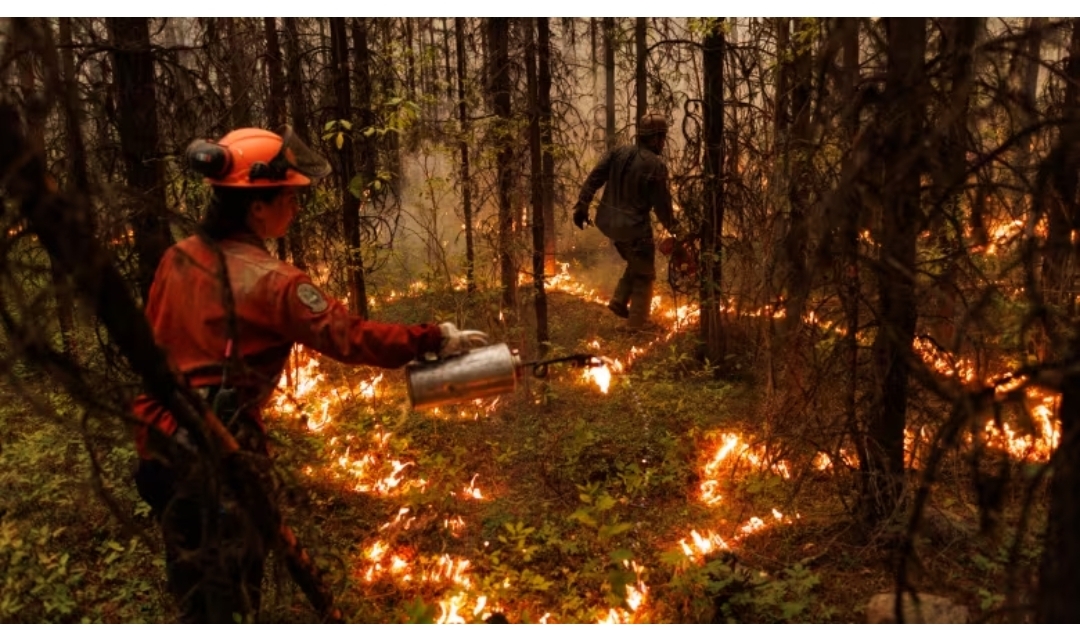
pixel 350 204
pixel 1024 77
pixel 594 60
pixel 1057 269
pixel 421 54
pixel 446 60
pixel 1059 570
pixel 712 331
pixel 544 102
pixel 76 147
pixel 1060 567
pixel 641 81
pixel 275 100
pixel 781 163
pixel 391 143
pixel 239 73
pixel 536 179
pixel 299 117
pixel 795 145
pixel 848 28
pixel 609 82
pixel 782 113
pixel 799 190
pixel 410 60
pixel 133 64
pixel 275 71
pixel 463 146
pixel 78 178
pixel 500 91
pixel 37 113
pixel 366 151
pixel 950 172
pixel 904 112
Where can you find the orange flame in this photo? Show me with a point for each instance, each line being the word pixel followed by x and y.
pixel 636 594
pixel 600 375
pixel 472 491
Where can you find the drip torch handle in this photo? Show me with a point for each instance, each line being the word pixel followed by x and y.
pixel 540 367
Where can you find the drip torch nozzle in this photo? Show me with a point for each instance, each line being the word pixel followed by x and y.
pixel 540 367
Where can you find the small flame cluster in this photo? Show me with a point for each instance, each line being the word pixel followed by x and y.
pixel 1038 446
pixel 367 464
pixel 306 379
pixel 999 235
pixel 636 595
pixel 415 289
pixel 601 374
pixel 480 408
pixel 373 470
pixel 733 447
pixel 1041 404
pixel 562 281
pixel 127 238
pixel 733 455
pixel 406 567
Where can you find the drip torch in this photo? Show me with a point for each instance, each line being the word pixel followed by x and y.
pixel 478 373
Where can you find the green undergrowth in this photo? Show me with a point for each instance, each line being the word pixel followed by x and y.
pixel 63 556
pixel 559 504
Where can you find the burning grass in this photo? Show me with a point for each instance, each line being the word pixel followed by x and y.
pixel 538 511
pixel 485 507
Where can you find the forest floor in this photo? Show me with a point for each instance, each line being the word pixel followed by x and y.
pixel 558 503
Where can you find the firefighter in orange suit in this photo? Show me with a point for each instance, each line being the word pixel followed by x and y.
pixel 255 175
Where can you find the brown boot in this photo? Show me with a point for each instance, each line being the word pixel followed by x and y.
pixel 620 298
pixel 619 309
pixel 648 329
pixel 640 304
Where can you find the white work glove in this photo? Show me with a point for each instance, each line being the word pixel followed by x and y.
pixel 456 341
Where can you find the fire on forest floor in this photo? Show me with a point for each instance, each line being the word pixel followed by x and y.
pixel 621 482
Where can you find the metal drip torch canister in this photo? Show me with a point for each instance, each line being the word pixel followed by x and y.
pixel 483 372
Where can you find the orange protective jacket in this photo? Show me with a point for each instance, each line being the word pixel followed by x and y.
pixel 276 305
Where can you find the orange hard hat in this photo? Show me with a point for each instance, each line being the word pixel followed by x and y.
pixel 256 158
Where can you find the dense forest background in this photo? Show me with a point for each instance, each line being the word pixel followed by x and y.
pixel 869 385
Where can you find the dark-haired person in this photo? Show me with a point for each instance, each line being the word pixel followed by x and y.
pixel 254 174
pixel 635 181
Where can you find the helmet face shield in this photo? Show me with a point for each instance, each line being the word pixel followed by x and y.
pixel 300 158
